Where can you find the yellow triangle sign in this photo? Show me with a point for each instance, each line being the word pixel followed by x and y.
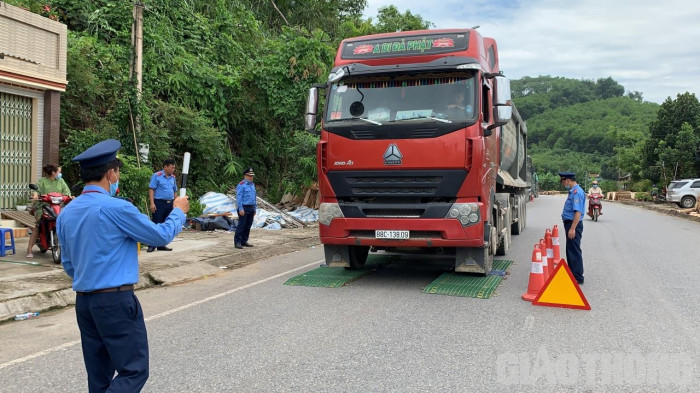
pixel 561 290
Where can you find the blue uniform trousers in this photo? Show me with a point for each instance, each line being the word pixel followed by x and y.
pixel 113 337
pixel 574 256
pixel 163 209
pixel 244 224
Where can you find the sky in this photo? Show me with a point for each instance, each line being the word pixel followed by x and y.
pixel 648 46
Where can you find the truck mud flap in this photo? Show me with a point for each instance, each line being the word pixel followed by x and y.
pixel 473 260
pixel 337 255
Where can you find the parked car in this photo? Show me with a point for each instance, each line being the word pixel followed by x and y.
pixel 683 192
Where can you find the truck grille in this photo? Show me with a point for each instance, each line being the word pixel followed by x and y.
pixel 394 185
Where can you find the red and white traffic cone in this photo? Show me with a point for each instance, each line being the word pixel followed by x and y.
pixel 555 245
pixel 546 269
pixel 550 251
pixel 536 275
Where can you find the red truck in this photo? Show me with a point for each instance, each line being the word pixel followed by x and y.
pixel 420 148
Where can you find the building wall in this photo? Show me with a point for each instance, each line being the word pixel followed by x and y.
pixel 33 59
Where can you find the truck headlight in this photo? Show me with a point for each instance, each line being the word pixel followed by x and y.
pixel 328 211
pixel 467 213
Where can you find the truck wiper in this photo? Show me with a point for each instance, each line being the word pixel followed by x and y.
pixel 425 117
pixel 369 121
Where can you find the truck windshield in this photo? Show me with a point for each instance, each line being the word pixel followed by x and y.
pixel 443 98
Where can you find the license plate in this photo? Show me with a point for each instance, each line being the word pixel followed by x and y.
pixel 391 234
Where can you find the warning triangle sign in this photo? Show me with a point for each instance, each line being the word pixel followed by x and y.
pixel 561 290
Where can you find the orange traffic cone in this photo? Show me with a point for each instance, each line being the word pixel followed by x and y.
pixel 536 276
pixel 550 252
pixel 555 245
pixel 546 269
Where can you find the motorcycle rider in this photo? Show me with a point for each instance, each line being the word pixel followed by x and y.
pixel 595 191
pixel 51 182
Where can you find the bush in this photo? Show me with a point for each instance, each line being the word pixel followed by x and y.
pixel 643 185
pixel 642 196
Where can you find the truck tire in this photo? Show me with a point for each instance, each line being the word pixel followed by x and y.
pixel 358 256
pixel 517 226
pixel 504 245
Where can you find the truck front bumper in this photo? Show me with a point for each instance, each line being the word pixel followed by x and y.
pixel 422 232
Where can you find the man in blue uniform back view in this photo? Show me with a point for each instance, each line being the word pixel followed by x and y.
pixel 98 236
pixel 246 202
pixel 574 207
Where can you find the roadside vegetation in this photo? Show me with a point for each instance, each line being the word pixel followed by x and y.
pixel 227 81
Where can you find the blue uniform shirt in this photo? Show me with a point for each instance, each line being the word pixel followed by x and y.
pixel 245 194
pixel 575 202
pixel 98 235
pixel 164 186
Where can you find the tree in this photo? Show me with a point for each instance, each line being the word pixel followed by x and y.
pixel 390 19
pixel 672 114
pixel 678 157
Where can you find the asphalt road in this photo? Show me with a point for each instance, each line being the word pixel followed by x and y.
pixel 243 331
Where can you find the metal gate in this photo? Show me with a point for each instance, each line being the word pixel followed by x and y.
pixel 15 149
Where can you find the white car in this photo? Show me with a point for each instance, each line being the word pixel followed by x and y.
pixel 684 192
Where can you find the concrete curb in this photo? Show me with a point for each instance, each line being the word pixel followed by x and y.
pixel 56 292
pixel 659 208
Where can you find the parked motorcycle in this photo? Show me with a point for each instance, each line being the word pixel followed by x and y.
pixel 51 207
pixel 594 206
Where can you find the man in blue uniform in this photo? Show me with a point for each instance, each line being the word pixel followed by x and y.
pixel 246 203
pixel 161 193
pixel 98 236
pixel 574 207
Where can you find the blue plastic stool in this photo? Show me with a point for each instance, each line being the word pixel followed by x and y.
pixel 3 247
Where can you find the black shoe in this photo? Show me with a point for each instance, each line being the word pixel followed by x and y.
pixel 579 282
pixel 150 249
pixel 164 248
pixel 246 244
pixel 238 245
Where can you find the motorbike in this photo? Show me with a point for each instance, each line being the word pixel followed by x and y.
pixel 51 207
pixel 594 206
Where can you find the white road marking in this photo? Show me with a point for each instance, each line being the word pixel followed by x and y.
pixel 163 314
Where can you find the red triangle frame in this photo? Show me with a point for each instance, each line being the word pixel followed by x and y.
pixel 565 266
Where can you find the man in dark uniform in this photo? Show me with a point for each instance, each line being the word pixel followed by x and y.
pixel 247 202
pixel 161 192
pixel 574 207
pixel 98 235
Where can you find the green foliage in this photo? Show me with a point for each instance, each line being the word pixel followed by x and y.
pixel 674 132
pixel 196 208
pixel 643 185
pixel 550 182
pixel 608 185
pixel 643 196
pixel 133 182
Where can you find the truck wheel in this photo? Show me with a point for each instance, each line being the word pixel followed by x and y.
pixel 687 202
pixel 504 246
pixel 358 256
pixel 517 226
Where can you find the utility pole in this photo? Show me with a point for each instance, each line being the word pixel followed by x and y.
pixel 136 71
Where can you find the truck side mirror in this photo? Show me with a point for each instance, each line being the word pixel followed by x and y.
pixel 501 98
pixel 311 108
pixel 502 91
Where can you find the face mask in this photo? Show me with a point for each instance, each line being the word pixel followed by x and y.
pixel 568 187
pixel 60 175
pixel 113 187
pixel 595 186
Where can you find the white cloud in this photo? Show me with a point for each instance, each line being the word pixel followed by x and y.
pixel 647 46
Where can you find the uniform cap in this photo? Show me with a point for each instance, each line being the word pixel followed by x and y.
pixel 99 153
pixel 249 171
pixel 567 175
